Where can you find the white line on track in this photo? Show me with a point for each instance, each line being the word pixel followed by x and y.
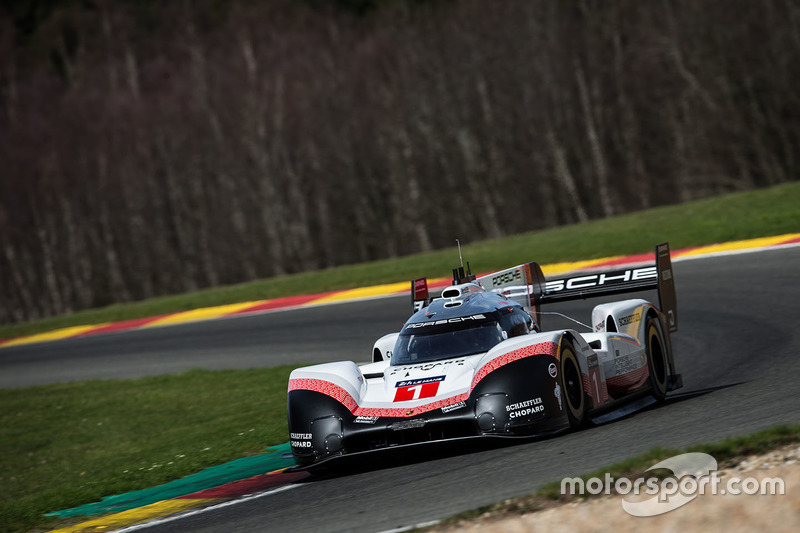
pixel 415 526
pixel 158 521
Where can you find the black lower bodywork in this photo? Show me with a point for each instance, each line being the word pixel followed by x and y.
pixel 519 399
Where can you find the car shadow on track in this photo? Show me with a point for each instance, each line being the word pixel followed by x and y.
pixel 690 395
pixel 386 458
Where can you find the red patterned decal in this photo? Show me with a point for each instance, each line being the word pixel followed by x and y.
pixel 325 387
pixel 544 348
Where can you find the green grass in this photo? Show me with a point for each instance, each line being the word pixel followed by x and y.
pixel 724 452
pixel 66 445
pixel 736 216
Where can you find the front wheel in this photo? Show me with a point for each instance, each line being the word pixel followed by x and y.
pixel 656 358
pixel 572 385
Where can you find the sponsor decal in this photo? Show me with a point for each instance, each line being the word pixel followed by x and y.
pixel 454 407
pixel 552 369
pixel 526 403
pixel 507 277
pixel 446 321
pixel 420 381
pixel 600 326
pixel 599 280
pixel 525 412
pixel 414 389
pixel 300 440
pixel 366 419
pixel 557 393
pixel 426 367
pixel 630 319
pixel 624 364
pixel 408 424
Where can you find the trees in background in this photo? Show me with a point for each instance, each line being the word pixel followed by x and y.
pixel 148 149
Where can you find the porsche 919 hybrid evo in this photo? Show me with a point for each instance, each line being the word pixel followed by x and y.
pixel 474 362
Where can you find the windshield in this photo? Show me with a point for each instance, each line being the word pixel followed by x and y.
pixel 446 341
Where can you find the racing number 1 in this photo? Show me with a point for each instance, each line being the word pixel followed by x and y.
pixel 594 372
pixel 415 392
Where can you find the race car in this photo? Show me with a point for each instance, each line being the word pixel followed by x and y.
pixel 475 362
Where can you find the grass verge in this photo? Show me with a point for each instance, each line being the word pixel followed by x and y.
pixel 66 445
pixel 736 216
pixel 725 452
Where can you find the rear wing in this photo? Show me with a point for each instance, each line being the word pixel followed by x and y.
pixel 526 284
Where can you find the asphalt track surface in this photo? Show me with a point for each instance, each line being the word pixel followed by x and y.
pixel 738 349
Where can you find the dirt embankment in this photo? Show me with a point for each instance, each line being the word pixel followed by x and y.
pixel 708 512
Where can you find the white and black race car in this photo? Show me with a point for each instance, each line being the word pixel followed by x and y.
pixel 474 363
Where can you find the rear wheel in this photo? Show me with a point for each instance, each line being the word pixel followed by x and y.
pixel 656 358
pixel 572 385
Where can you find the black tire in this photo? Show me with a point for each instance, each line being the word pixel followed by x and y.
pixel 572 385
pixel 656 358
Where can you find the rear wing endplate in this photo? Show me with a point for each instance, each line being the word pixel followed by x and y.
pixel 420 296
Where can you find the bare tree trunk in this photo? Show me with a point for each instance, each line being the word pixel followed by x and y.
pixel 473 168
pixel 414 199
pixel 16 268
pixel 565 177
pixel 636 177
pixel 176 209
pixel 116 279
pixel 11 93
pixel 257 142
pixel 600 166
pixel 681 158
pixel 78 263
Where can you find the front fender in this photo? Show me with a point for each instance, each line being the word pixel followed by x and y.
pixel 517 389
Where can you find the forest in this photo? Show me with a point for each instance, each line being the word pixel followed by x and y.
pixel 151 148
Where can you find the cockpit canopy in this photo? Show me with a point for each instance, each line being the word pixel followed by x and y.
pixel 446 338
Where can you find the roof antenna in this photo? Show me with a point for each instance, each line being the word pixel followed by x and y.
pixel 459 276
